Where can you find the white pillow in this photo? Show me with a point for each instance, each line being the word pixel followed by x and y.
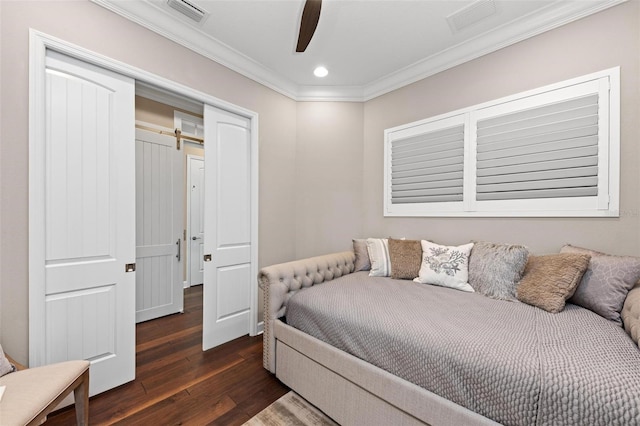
pixel 378 249
pixel 5 366
pixel 446 266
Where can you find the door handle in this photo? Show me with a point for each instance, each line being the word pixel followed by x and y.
pixel 196 238
pixel 179 255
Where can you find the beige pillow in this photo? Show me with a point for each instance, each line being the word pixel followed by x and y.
pixel 550 280
pixel 631 314
pixel 405 256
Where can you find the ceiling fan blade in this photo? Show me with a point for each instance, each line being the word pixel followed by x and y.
pixel 308 23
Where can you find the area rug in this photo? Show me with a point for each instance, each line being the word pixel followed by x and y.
pixel 291 409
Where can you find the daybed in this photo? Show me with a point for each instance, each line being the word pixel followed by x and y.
pixel 383 351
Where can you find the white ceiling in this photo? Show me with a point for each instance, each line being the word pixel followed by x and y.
pixel 370 47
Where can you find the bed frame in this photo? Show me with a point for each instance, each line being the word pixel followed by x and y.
pixel 346 388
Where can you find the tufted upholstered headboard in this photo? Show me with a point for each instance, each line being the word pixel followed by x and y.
pixel 280 282
pixel 631 313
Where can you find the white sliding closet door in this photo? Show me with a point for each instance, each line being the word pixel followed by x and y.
pixel 159 210
pixel 228 272
pixel 82 223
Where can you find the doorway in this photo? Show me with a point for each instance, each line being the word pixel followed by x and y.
pixel 166 136
pixel 44 298
pixel 195 222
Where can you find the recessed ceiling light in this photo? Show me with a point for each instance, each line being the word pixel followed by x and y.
pixel 320 72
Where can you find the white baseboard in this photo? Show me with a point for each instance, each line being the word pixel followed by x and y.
pixel 185 284
pixel 260 327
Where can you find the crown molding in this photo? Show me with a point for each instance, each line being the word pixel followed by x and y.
pixel 330 93
pixel 169 26
pixel 496 39
pixel 183 33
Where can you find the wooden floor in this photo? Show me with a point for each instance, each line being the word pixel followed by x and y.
pixel 179 384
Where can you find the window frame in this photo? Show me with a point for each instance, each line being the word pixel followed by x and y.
pixel 606 83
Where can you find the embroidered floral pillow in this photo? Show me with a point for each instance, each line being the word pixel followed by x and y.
pixel 445 266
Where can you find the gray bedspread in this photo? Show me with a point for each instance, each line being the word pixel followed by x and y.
pixel 508 361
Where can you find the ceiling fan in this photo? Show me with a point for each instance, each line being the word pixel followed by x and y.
pixel 308 23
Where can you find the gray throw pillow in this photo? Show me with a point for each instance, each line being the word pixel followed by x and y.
pixel 496 269
pixel 606 283
pixel 362 262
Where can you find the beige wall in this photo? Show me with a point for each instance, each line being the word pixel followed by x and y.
pixel 605 40
pixel 99 30
pixel 328 176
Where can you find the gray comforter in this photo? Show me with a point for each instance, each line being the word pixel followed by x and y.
pixel 508 361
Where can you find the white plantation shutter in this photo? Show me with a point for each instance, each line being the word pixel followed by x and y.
pixel 553 151
pixel 545 152
pixel 428 168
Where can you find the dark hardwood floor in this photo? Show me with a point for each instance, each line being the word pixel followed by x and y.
pixel 179 384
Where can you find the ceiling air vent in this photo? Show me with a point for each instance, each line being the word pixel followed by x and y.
pixel 188 9
pixel 471 14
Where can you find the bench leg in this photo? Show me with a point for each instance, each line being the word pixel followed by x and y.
pixel 81 396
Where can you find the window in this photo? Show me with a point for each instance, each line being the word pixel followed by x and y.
pixel 552 151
